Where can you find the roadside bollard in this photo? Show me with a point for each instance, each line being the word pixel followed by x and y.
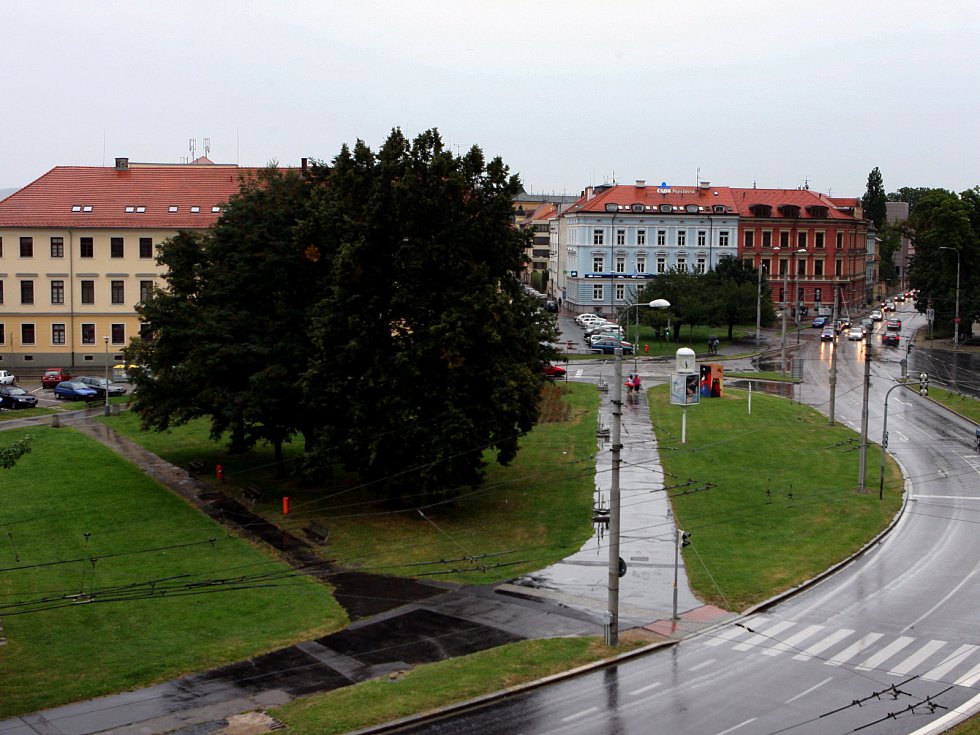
pixel 219 471
pixel 285 505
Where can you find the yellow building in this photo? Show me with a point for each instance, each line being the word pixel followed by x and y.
pixel 78 251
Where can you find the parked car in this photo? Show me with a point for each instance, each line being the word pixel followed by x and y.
pixel 827 335
pixel 73 390
pixel 53 376
pixel 7 378
pixel 609 345
pixel 855 333
pixel 99 385
pixel 582 319
pixel 552 372
pixel 551 305
pixel 13 396
pixel 890 339
pixel 894 325
pixel 877 316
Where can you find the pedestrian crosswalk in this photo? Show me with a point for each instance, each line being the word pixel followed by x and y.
pixel 899 656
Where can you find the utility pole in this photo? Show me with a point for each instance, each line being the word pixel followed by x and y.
pixel 612 633
pixel 833 362
pixel 863 461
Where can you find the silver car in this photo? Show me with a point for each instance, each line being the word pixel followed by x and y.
pixel 99 385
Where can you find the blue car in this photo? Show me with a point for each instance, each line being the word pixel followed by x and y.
pixel 820 321
pixel 73 390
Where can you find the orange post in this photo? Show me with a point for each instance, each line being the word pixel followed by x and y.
pixel 219 471
pixel 285 505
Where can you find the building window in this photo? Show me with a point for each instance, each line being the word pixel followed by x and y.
pixel 783 266
pixel 27 292
pixel 597 292
pixel 700 265
pixel 57 247
pixel 620 263
pixel 840 240
pixel 620 237
pixel 682 265
pixel 1 247
pixel 681 238
pixel 88 334
pixel 118 334
pixel 818 268
pixel 661 237
pixel 702 238
pixel 801 267
pixel 749 239
pixel 146 247
pixel 598 262
pixel 723 238
pixel 766 265
pixel 641 237
pixel 57 334
pixel 146 290
pixel 27 334
pixel 27 247
pixel 57 292
pixel 839 268
pixel 818 239
pixel 3 333
pixel 88 292
pixel 1 292
pixel 784 239
pixel 620 291
pixel 641 264
pixel 597 237
pixel 767 238
pixel 86 249
pixel 801 240
pixel 117 292
pixel 661 264
pixel 116 247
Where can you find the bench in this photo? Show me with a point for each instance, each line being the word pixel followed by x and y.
pixel 317 533
pixel 251 493
pixel 196 467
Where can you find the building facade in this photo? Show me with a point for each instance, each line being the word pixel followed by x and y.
pixel 616 239
pixel 78 251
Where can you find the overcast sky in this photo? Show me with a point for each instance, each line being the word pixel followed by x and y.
pixel 773 93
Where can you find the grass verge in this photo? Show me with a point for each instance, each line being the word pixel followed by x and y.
pixel 104 581
pixel 783 503
pixel 439 684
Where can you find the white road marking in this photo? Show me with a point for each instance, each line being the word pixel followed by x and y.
pixel 583 713
pixel 970 678
pixel 854 649
pixel 741 724
pixel 702 665
pixel 793 640
pixel 729 633
pixel 835 637
pixel 885 653
pixel 647 688
pixel 807 691
pixel 765 635
pixel 958 656
pixel 917 658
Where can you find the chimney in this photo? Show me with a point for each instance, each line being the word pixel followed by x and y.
pixel 641 183
pixel 122 164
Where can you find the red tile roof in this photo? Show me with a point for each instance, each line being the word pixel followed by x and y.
pixel 802 198
pixel 100 197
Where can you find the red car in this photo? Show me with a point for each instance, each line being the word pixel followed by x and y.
pixel 552 372
pixel 53 376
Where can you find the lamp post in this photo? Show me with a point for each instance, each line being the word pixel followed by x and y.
pixel 956 320
pixel 106 386
pixel 612 631
pixel 758 308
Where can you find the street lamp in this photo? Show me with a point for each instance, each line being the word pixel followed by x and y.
pixel 758 308
pixel 106 386
pixel 956 320
pixel 612 632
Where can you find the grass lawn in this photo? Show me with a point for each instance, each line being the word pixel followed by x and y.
pixel 783 505
pixel 964 405
pixel 99 581
pixel 524 517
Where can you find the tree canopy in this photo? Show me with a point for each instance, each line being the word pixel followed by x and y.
pixel 875 199
pixel 372 306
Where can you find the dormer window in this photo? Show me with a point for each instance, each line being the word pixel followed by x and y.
pixel 140 210
pixel 76 208
pixel 761 210
pixel 791 211
pixel 130 209
pixel 87 208
pixel 215 210
pixel 172 209
pixel 195 210
pixel 666 208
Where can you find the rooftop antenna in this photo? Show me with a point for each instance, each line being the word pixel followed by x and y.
pixel 697 177
pixel 192 146
pixel 806 183
pixel 207 147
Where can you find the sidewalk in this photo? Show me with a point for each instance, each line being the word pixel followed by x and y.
pixel 399 623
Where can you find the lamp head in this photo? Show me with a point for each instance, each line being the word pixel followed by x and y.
pixel 659 304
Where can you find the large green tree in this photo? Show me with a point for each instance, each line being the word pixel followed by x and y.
pixel 736 294
pixel 874 199
pixel 947 240
pixel 427 351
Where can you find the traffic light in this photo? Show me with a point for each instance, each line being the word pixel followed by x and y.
pixel 923 384
pixel 685 538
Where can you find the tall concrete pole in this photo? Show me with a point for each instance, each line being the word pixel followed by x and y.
pixel 612 633
pixel 833 362
pixel 863 461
